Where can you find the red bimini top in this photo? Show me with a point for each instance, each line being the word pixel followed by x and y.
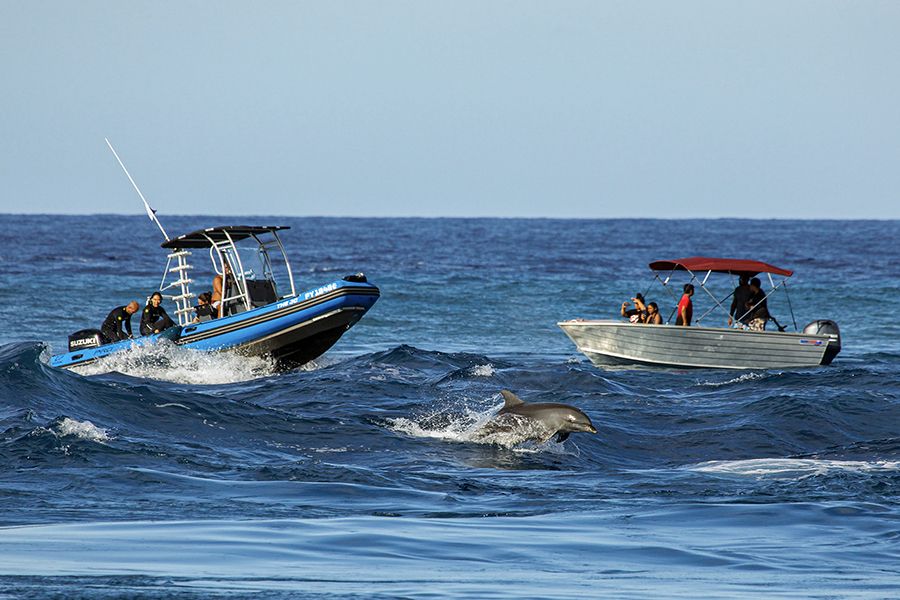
pixel 735 266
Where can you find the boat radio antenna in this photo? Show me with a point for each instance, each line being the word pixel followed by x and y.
pixel 150 212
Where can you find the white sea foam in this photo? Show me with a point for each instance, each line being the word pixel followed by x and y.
pixel 81 429
pixel 790 468
pixel 482 370
pixel 473 425
pixel 167 362
pixel 738 379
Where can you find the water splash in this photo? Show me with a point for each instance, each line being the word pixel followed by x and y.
pixel 80 429
pixel 482 370
pixel 467 424
pixel 165 361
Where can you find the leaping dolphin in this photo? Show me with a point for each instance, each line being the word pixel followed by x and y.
pixel 541 420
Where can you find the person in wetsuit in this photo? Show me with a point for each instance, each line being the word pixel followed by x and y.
pixel 117 325
pixel 154 318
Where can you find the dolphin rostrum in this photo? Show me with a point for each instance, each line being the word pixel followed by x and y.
pixel 537 421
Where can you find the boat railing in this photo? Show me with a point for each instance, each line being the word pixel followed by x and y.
pixel 719 303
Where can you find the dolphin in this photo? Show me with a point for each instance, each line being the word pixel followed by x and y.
pixel 536 421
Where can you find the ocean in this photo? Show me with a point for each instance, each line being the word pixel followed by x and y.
pixel 165 473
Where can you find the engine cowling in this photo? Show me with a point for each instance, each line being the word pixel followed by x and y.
pixel 830 329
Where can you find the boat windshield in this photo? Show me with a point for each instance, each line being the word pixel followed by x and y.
pixel 258 264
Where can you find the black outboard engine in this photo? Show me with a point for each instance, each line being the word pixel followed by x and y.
pixel 86 338
pixel 830 329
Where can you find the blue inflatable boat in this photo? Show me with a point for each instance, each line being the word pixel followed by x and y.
pixel 258 310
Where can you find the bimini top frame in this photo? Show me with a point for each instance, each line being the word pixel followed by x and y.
pixel 734 266
pixel 237 293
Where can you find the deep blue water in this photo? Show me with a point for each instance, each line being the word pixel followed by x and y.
pixel 172 474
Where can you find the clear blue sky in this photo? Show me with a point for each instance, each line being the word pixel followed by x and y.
pixel 570 109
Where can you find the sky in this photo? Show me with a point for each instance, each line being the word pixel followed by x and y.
pixel 769 109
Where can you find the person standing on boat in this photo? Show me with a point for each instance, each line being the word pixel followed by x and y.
pixel 154 318
pixel 220 286
pixel 740 297
pixel 757 306
pixel 117 325
pixel 685 306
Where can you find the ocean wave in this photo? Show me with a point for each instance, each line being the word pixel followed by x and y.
pixel 791 468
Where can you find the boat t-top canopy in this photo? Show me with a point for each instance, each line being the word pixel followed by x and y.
pixel 734 266
pixel 205 238
pixel 240 258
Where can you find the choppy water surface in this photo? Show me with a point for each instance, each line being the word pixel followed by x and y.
pixel 168 473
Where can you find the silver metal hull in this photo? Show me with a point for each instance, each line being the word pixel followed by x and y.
pixel 617 342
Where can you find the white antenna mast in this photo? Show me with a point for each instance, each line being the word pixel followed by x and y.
pixel 150 212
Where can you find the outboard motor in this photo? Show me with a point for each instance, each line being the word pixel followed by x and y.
pixel 86 338
pixel 830 329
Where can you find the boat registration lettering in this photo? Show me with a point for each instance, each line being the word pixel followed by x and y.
pixel 307 295
pixel 320 291
pixel 812 342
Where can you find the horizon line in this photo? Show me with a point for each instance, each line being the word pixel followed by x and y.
pixel 451 217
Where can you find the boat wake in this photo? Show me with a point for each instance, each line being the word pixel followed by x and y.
pixel 165 361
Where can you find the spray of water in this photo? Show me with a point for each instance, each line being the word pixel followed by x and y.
pixel 165 361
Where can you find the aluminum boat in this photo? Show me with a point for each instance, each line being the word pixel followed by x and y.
pixel 616 342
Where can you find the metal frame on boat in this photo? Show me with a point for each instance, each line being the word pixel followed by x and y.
pixel 614 342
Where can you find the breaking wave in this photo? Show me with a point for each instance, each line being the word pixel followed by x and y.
pixel 791 468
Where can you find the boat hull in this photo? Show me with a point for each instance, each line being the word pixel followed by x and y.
pixel 616 342
pixel 293 331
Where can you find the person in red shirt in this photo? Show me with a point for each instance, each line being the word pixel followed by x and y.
pixel 685 306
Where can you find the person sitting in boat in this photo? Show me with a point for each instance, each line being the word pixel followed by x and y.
pixel 653 317
pixel 117 325
pixel 757 307
pixel 685 306
pixel 636 314
pixel 154 318
pixel 738 314
pixel 204 308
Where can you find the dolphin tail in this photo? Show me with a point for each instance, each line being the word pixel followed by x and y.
pixel 510 399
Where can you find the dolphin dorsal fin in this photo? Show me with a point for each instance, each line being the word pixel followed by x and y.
pixel 510 399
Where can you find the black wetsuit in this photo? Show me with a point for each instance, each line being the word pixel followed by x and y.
pixel 154 318
pixel 117 325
